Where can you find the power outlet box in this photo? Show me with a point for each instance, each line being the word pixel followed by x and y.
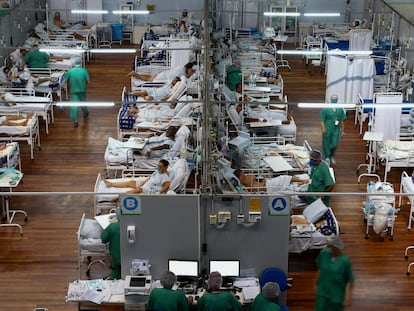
pixel 224 217
pixel 255 216
pixel 240 219
pixel 213 219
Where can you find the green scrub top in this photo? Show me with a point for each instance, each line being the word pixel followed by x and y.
pixel 112 235
pixel 36 59
pixel 167 299
pixel 234 76
pixel 334 275
pixel 78 78
pixel 222 301
pixel 320 178
pixel 260 303
pixel 329 117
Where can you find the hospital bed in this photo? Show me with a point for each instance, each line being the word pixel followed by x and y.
pixel 55 83
pixel 104 196
pixel 18 132
pixel 396 153
pixel 312 228
pixel 90 246
pixel 19 100
pixel 379 208
pixel 407 186
pixel 10 156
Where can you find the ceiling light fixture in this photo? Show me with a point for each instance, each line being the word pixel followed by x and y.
pixel 85 104
pixel 113 51
pixel 89 11
pixel 322 14
pixel 131 12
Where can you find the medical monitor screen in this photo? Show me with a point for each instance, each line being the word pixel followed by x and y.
pixel 225 267
pixel 183 267
pixel 137 281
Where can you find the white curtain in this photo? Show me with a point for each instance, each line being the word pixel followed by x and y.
pixel 388 120
pixel 348 77
pixel 179 57
pixel 360 40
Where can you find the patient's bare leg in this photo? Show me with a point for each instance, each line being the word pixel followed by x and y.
pixel 142 76
pixel 121 184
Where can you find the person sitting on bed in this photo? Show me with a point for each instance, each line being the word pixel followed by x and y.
pixel 157 146
pixel 187 71
pixel 5 72
pixel 279 183
pixel 60 24
pixel 158 182
pixel 158 93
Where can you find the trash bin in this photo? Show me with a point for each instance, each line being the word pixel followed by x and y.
pixel 117 32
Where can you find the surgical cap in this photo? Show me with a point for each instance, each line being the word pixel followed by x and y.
pixel 335 241
pixel 168 279
pixel 78 61
pixel 315 155
pixel 214 280
pixel 271 291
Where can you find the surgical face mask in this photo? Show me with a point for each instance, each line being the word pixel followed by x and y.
pixel 334 101
pixel 312 163
pixel 159 171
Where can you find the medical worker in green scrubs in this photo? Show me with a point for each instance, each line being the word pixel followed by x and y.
pixel 320 178
pixel 112 235
pixel 267 299
pixel 216 299
pixel 335 277
pixel 78 78
pixel 332 122
pixel 166 298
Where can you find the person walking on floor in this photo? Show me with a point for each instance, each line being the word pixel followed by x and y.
pixel 332 122
pixel 78 79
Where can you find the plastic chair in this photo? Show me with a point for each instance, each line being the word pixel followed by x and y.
pixel 275 275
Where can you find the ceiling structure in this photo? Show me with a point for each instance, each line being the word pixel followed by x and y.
pixel 404 7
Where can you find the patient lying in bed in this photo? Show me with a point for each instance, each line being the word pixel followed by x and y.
pixel 158 182
pixel 158 93
pixel 14 120
pixel 279 183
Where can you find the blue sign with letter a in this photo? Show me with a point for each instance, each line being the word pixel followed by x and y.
pixel 279 206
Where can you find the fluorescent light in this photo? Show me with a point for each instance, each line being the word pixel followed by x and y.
pixel 301 52
pixel 326 105
pixel 321 51
pixel 85 104
pixel 389 106
pixel 89 11
pixel 322 14
pixel 340 52
pixel 62 50
pixel 281 14
pixel 131 12
pixel 113 51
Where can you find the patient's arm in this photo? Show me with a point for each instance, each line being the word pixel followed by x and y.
pixel 142 76
pixel 165 187
pixel 162 147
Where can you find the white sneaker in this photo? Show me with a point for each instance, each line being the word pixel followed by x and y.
pixel 328 161
pixel 333 161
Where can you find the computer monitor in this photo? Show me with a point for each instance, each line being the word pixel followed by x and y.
pixel 183 267
pixel 227 268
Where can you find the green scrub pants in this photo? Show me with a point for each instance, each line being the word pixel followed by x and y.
pixel 77 97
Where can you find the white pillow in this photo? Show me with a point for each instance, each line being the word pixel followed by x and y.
pixel 91 229
pixel 178 173
pixel 315 211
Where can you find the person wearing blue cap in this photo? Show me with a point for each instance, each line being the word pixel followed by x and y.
pixel 78 79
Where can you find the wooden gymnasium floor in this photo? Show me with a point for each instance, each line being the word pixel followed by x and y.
pixel 35 269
